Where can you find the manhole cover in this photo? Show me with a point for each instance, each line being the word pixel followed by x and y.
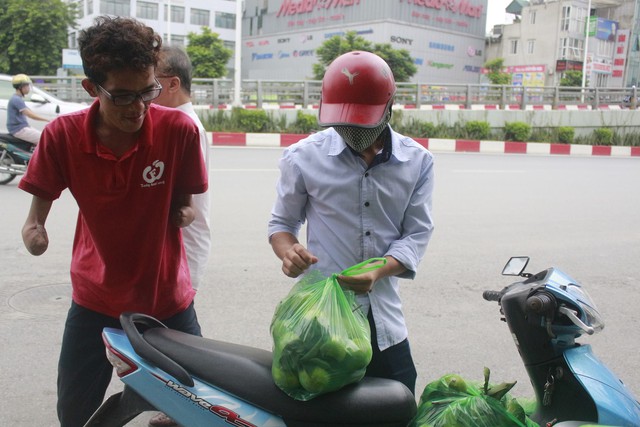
pixel 43 301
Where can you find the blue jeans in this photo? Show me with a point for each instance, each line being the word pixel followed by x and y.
pixel 394 363
pixel 84 372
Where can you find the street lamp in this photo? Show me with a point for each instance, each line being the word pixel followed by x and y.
pixel 238 58
pixel 586 45
pixel 168 22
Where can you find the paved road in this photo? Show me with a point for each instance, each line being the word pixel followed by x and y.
pixel 580 214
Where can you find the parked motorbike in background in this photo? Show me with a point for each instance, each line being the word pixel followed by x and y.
pixel 14 157
pixel 199 381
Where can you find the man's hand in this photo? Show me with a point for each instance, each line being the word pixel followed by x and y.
pixel 34 235
pixel 295 257
pixel 35 238
pixel 363 283
pixel 360 284
pixel 296 260
pixel 183 216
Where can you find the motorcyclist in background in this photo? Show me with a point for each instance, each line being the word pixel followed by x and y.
pixel 17 111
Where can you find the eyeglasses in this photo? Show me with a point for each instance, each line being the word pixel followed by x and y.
pixel 129 98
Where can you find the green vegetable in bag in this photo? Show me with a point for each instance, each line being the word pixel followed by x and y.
pixel 451 401
pixel 321 339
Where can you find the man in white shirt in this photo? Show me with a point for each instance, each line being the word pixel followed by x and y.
pixel 174 72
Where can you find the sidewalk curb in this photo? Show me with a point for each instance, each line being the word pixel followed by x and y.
pixel 237 139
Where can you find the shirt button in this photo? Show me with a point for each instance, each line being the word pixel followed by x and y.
pixel 366 174
pixel 368 233
pixel 366 204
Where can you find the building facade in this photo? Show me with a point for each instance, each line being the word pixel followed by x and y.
pixel 444 37
pixel 187 16
pixel 550 37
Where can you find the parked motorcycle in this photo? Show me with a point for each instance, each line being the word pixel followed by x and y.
pixel 14 157
pixel 199 381
pixel 546 313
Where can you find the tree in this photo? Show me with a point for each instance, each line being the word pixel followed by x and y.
pixel 495 73
pixel 33 34
pixel 208 54
pixel 399 60
pixel 572 78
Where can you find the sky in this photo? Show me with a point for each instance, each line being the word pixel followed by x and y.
pixel 496 13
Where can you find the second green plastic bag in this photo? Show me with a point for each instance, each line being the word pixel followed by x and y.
pixel 321 339
pixel 453 402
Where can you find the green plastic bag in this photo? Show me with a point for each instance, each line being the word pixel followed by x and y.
pixel 450 401
pixel 321 339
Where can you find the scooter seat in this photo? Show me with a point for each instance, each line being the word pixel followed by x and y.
pixel 245 372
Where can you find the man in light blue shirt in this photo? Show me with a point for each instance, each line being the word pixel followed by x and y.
pixel 365 191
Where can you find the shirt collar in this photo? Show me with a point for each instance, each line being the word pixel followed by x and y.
pixel 90 142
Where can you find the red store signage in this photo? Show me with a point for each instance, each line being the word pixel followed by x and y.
pixel 299 7
pixel 461 7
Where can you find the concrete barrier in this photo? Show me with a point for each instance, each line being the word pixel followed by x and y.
pixel 278 140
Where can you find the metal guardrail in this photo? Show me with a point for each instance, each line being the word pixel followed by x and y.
pixel 306 93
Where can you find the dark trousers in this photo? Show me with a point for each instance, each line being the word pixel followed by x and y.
pixel 394 363
pixel 84 372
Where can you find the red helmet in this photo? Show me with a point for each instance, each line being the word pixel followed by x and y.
pixel 357 89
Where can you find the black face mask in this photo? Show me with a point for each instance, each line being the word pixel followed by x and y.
pixel 359 138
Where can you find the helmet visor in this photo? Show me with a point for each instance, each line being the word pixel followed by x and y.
pixel 363 115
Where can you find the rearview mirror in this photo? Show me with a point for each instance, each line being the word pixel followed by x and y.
pixel 515 266
pixel 37 98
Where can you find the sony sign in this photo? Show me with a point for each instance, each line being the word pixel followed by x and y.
pixel 401 40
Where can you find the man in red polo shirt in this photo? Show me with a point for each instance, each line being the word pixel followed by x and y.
pixel 132 168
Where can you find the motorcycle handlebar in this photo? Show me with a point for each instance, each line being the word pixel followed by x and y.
pixel 541 303
pixel 492 295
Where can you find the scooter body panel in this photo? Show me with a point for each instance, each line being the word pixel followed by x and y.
pixel 19 149
pixel 201 404
pixel 615 403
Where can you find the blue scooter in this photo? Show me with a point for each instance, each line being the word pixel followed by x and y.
pixel 14 157
pixel 546 313
pixel 203 382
